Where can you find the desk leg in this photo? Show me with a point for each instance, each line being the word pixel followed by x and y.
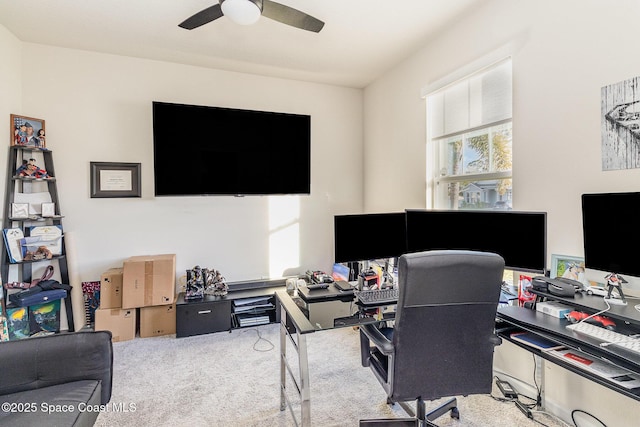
pixel 305 392
pixel 283 357
pixel 300 343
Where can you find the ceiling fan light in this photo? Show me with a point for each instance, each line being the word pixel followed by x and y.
pixel 243 12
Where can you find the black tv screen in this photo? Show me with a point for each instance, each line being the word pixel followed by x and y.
pixel 201 150
pixel 367 237
pixel 609 229
pixel 519 237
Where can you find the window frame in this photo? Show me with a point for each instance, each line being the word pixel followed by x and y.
pixel 436 182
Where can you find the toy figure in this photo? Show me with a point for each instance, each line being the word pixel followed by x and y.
pixel 615 281
pixel 22 168
pixel 20 135
pixel 30 169
pixel 215 283
pixel 195 284
pixel 41 138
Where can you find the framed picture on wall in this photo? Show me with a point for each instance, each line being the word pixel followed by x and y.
pixel 111 179
pixel 27 131
pixel 567 266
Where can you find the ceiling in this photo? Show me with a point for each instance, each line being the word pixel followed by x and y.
pixel 360 40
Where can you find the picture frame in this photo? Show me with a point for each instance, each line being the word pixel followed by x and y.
pixel 568 266
pixel 114 179
pixel 48 210
pixel 27 131
pixel 20 210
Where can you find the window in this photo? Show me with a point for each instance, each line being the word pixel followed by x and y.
pixel 469 141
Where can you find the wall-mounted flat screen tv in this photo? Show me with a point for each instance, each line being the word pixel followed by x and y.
pixel 202 150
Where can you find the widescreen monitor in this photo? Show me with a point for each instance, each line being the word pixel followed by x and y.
pixel 519 237
pixel 610 229
pixel 367 237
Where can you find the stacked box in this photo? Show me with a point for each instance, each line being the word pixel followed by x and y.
pixel 148 280
pixel 157 320
pixel 121 323
pixel 111 288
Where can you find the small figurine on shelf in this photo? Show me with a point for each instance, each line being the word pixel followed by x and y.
pixel 22 168
pixel 40 143
pixel 30 169
pixel 41 253
pixel 215 283
pixel 20 135
pixel 195 284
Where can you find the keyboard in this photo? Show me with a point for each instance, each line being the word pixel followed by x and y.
pixel 607 337
pixel 378 296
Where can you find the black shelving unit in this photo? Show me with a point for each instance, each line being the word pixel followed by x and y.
pixel 217 313
pixel 17 184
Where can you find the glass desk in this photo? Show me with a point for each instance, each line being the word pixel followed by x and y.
pixel 299 318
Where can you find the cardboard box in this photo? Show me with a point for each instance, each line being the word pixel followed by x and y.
pixel 553 308
pixel 149 280
pixel 45 317
pixel 111 288
pixel 157 320
pixel 120 321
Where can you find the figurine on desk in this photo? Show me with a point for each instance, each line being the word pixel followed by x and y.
pixel 615 281
pixel 368 280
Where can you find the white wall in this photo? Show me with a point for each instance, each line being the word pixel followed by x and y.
pixel 10 83
pixel 564 52
pixel 97 107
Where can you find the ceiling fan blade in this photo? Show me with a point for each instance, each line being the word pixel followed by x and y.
pixel 203 17
pixel 290 16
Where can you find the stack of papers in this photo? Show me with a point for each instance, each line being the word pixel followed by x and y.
pixel 253 311
pixel 601 368
pixel 252 304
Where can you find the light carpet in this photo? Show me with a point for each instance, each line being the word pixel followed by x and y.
pixel 233 379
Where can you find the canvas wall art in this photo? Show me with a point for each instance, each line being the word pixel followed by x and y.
pixel 620 128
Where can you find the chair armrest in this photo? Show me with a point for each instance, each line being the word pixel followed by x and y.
pixel 496 340
pixel 377 337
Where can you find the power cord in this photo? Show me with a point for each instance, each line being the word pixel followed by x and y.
pixel 575 411
pixel 260 338
pixel 528 409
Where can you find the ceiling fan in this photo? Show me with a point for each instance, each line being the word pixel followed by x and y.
pixel 247 12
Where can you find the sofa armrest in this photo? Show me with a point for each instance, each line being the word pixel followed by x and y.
pixel 34 363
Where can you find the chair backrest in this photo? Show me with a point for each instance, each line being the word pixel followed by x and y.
pixel 444 330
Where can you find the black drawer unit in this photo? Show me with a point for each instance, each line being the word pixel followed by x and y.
pixel 216 314
pixel 211 314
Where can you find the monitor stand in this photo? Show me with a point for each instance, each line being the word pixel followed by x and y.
pixel 615 281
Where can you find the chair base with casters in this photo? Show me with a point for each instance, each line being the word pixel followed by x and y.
pixel 420 418
pixel 376 355
pixel 442 341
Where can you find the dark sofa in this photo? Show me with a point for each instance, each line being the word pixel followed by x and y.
pixel 57 380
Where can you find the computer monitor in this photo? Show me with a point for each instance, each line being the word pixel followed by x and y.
pixel 519 237
pixel 364 237
pixel 609 231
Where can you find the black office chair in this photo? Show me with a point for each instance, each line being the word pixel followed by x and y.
pixel 443 339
